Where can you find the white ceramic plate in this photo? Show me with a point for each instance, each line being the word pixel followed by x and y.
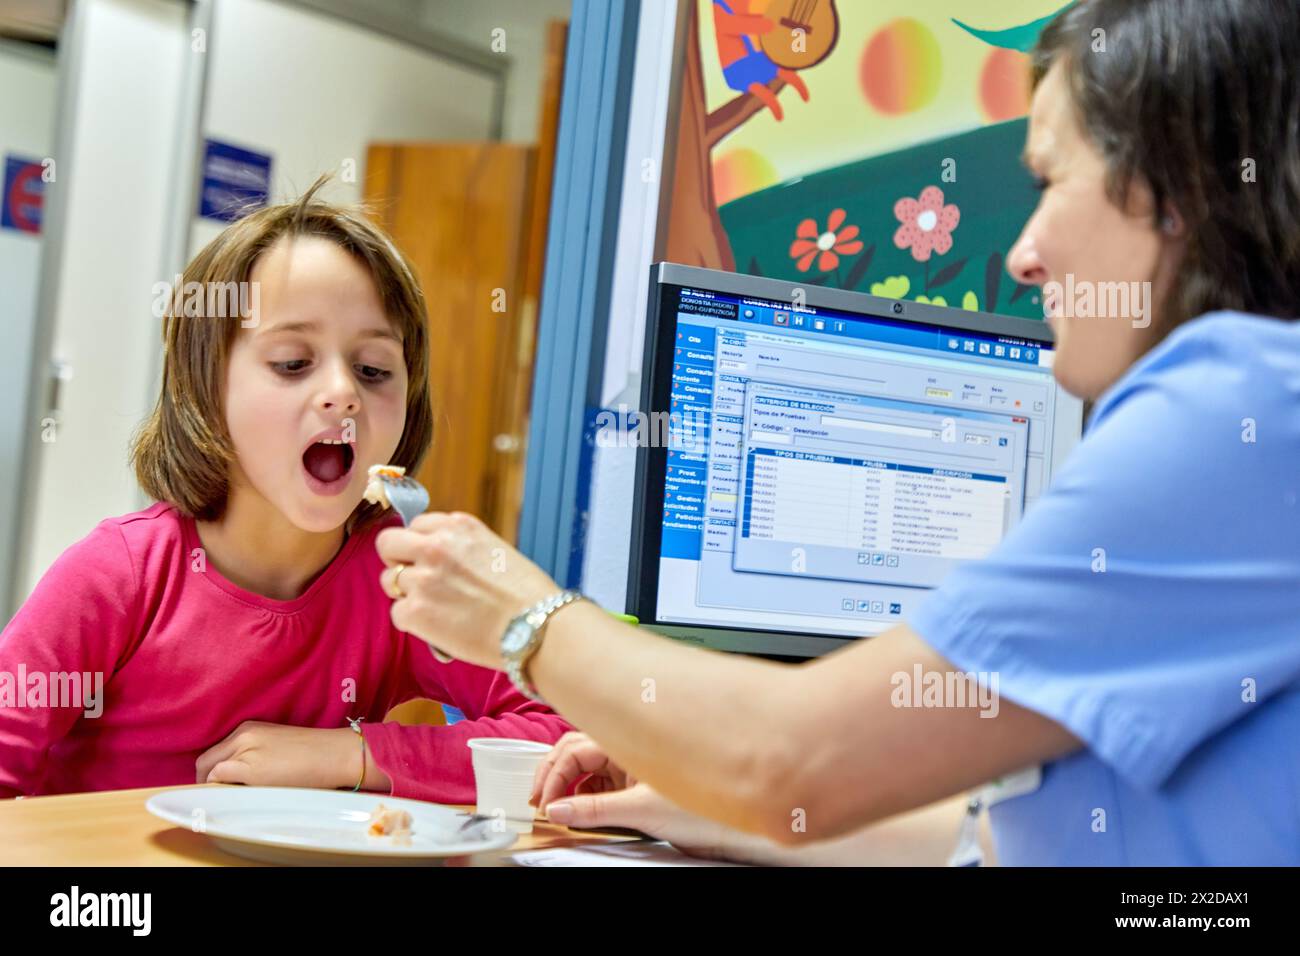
pixel 318 827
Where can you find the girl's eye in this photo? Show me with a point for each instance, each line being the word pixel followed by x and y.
pixel 369 373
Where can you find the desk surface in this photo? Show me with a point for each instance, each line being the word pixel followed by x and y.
pixel 112 828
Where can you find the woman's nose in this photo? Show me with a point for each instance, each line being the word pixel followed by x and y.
pixel 1024 263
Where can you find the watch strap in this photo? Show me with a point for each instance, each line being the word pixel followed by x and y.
pixel 537 617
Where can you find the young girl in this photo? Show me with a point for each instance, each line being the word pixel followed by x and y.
pixel 238 626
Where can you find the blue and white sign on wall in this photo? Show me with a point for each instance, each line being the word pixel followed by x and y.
pixel 235 181
pixel 24 196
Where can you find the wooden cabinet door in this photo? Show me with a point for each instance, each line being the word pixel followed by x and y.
pixel 463 214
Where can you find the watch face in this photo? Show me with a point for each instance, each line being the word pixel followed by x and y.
pixel 516 637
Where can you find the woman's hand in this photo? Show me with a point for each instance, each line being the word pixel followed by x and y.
pixel 275 755
pixel 639 807
pixel 576 759
pixel 607 796
pixel 456 585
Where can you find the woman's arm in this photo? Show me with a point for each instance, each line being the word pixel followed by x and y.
pixel 792 753
pixel 924 837
pixel 795 754
pixel 579 786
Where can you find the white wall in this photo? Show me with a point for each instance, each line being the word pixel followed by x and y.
pixel 113 171
pixel 314 91
pixel 27 77
pixel 524 23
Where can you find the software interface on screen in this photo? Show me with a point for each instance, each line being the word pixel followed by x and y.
pixel 826 469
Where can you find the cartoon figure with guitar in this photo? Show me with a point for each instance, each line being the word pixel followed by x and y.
pixel 793 35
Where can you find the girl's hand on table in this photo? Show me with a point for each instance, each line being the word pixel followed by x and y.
pixel 459 585
pixel 276 755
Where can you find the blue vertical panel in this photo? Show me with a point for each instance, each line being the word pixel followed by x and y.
pixel 579 270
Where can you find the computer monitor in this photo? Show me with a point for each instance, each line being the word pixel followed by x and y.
pixel 812 462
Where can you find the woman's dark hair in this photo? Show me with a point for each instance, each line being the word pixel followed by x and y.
pixel 1199 99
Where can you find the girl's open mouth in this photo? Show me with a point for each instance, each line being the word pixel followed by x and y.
pixel 327 466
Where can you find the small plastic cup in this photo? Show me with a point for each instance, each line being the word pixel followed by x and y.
pixel 503 778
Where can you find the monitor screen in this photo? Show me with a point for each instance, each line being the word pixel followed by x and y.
pixel 826 457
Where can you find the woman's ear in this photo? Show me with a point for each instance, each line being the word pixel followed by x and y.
pixel 1172 223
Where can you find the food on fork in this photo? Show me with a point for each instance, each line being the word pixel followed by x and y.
pixel 375 490
pixel 395 824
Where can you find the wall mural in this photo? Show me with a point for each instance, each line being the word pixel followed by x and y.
pixel 870 145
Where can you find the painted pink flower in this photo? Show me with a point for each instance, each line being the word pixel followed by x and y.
pixel 825 246
pixel 927 224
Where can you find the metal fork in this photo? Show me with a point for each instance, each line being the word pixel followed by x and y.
pixel 476 825
pixel 407 496
pixel 410 500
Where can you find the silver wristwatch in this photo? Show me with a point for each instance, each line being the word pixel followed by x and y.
pixel 523 636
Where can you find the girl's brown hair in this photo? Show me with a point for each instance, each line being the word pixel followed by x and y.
pixel 182 453
pixel 1200 99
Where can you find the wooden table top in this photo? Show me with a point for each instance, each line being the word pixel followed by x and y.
pixel 113 828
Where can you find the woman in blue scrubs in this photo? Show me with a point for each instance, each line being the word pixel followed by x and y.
pixel 1141 624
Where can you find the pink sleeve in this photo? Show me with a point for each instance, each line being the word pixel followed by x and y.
pixel 80 620
pixel 433 763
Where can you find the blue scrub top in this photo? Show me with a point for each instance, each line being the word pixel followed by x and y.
pixel 1150 603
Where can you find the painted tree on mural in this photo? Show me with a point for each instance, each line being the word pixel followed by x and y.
pixel 695 233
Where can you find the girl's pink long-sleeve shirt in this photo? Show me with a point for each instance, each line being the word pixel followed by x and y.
pixel 186 657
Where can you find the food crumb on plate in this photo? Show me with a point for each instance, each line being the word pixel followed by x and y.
pixel 394 825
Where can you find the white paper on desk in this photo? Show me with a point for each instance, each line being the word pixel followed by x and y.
pixel 612 854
